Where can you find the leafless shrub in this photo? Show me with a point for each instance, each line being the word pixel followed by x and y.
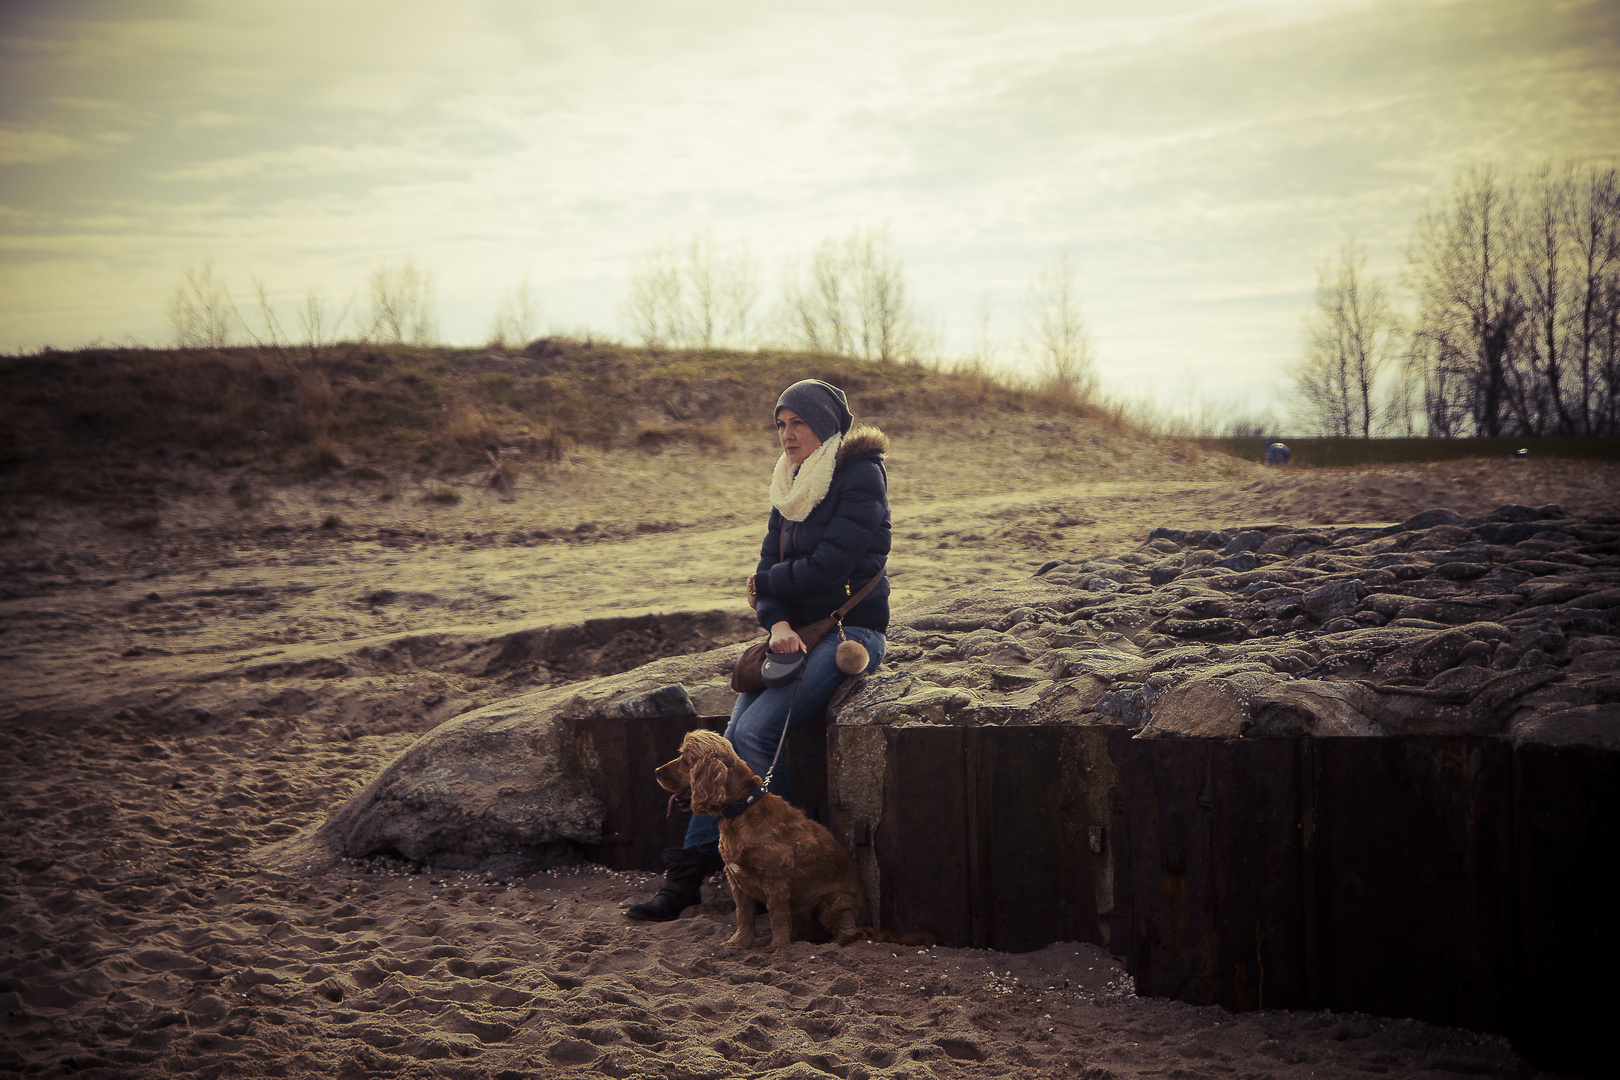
pixel 319 326
pixel 1057 337
pixel 517 318
pixel 699 299
pixel 503 476
pixel 402 303
pixel 201 312
pixel 852 300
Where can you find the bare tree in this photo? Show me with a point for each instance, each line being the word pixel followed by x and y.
pixel 1350 338
pixel 699 299
pixel 1593 225
pixel 1516 289
pixel 702 307
pixel 201 313
pixel 829 290
pixel 1402 406
pixel 815 303
pixel 853 300
pixel 1057 334
pixel 402 303
pixel 986 343
pixel 1542 258
pixel 739 292
pixel 517 317
pixel 885 316
pixel 656 305
pixel 319 326
pixel 643 306
pixel 1469 308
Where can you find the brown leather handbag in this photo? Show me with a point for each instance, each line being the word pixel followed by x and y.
pixel 749 675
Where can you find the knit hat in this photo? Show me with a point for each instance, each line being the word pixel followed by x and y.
pixel 822 405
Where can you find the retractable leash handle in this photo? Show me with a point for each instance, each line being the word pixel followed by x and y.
pixel 794 670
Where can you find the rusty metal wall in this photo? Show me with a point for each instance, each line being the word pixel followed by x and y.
pixel 1567 841
pixel 1415 878
pixel 990 837
pixel 1451 879
pixel 1212 867
pixel 1448 878
pixel 625 751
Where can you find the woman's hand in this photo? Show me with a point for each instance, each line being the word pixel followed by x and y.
pixel 783 639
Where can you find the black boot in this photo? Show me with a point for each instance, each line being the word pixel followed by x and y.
pixel 682 885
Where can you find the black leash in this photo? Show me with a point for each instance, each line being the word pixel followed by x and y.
pixel 765 786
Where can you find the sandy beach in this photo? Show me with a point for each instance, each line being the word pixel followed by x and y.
pixel 143 764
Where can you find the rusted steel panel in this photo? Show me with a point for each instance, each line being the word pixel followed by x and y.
pixel 1451 879
pixel 1035 874
pixel 805 756
pixel 1414 867
pixel 1023 858
pixel 1172 892
pixel 626 751
pixel 1568 842
pixel 986 834
pixel 1257 873
pixel 922 840
pixel 1215 871
pixel 1122 846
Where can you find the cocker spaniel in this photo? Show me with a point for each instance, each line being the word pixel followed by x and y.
pixel 771 850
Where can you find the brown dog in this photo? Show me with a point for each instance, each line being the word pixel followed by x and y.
pixel 772 851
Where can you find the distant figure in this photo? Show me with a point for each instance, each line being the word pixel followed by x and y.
pixel 1277 455
pixel 1522 454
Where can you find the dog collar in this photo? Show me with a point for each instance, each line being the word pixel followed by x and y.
pixel 744 803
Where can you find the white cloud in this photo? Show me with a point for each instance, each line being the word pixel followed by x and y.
pixel 25 146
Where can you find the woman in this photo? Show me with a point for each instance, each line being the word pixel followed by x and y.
pixel 828 537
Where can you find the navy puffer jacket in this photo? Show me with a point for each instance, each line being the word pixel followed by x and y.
pixel 836 549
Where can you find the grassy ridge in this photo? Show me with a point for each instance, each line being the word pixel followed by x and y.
pixel 1317 453
pixel 98 423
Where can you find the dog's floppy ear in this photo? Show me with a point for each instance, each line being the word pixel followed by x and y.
pixel 708 777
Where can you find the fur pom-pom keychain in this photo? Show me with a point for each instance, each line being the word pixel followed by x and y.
pixel 852 655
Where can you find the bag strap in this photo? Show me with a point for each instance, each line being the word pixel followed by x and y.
pixel 859 595
pixel 856 597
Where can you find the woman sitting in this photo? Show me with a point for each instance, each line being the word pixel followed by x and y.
pixel 827 539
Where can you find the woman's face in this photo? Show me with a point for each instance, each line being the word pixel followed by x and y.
pixel 798 441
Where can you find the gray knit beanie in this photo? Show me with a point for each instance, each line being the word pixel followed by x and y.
pixel 822 405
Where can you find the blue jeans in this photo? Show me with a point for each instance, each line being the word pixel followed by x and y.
pixel 759 716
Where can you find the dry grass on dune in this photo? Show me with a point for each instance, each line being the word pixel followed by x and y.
pixel 103 424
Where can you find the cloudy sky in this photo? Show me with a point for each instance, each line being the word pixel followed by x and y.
pixel 1199 160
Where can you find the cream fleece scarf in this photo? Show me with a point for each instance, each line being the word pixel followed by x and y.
pixel 796 490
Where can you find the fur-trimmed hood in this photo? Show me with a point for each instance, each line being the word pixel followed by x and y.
pixel 811 563
pixel 862 439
